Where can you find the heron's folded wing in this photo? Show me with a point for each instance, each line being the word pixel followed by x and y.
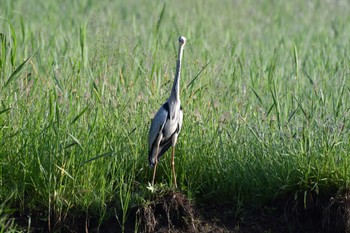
pixel 157 124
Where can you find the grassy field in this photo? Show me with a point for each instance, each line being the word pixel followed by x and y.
pixel 265 93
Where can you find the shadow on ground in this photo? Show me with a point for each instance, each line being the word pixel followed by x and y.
pixel 171 211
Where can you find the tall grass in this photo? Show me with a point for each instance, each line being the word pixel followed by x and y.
pixel 265 93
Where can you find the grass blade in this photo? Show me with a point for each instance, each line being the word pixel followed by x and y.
pixel 23 29
pixel 256 95
pixel 64 171
pixel 14 44
pixel 18 70
pixel 340 98
pixel 5 110
pixel 160 18
pixel 3 52
pixel 83 47
pixel 296 60
pixel 76 140
pixel 197 75
pixel 97 157
pixel 79 115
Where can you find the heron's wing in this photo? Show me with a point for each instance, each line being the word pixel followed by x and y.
pixel 165 145
pixel 158 123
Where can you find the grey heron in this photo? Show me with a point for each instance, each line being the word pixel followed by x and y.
pixel 167 122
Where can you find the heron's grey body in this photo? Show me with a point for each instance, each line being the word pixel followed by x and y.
pixel 167 122
pixel 165 130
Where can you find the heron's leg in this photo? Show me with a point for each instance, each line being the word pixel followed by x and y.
pixel 155 167
pixel 173 165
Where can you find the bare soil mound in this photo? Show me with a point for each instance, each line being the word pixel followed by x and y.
pixel 167 211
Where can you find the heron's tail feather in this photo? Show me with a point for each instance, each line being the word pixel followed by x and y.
pixel 152 158
pixel 152 152
pixel 152 162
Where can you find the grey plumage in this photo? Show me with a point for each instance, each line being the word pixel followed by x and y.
pixel 167 122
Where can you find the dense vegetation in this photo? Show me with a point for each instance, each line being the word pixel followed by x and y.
pixel 265 93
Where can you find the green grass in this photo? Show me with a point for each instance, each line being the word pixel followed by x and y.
pixel 79 83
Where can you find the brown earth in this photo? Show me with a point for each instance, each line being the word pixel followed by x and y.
pixel 171 211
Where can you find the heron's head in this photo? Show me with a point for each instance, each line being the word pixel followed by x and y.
pixel 182 40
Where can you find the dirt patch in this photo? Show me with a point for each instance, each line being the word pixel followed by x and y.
pixel 171 211
pixel 312 212
pixel 337 214
pixel 167 211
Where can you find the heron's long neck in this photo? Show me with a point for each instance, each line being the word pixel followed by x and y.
pixel 175 91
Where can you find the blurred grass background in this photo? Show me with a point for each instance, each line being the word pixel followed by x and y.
pixel 80 82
